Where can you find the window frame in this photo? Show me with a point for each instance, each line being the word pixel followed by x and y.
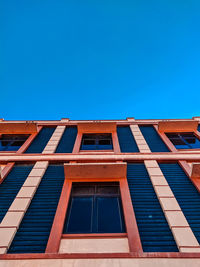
pixel 26 144
pixel 170 145
pixel 96 140
pixel 95 195
pixel 132 232
pixel 115 143
pixel 11 141
pixel 97 128
pixel 179 135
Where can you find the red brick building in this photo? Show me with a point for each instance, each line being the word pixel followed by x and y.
pixel 100 193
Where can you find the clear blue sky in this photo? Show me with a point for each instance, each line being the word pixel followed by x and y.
pixel 99 59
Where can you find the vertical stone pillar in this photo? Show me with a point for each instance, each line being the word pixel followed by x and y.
pixel 54 140
pixel 139 139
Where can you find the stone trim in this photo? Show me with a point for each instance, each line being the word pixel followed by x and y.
pixel 139 139
pixel 54 140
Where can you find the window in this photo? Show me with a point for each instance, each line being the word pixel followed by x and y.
pixel 96 142
pixel 184 140
pixel 94 208
pixel 12 142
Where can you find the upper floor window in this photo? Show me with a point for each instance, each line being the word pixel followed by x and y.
pixel 12 142
pixel 95 208
pixel 184 140
pixel 96 142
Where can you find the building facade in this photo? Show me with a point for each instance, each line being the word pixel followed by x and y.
pixel 100 193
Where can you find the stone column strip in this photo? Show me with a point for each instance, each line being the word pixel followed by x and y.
pixel 54 140
pixel 139 139
pixel 17 210
pixel 183 235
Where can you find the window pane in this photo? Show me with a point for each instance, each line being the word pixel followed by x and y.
pixel 110 190
pixel 5 142
pixel 96 142
pixel 88 142
pixel 12 142
pixel 12 148
pixel 17 143
pixel 182 146
pixel 185 135
pixel 3 145
pixel 89 136
pixel 12 137
pixel 193 142
pixel 89 147
pixel 80 215
pixel 104 142
pixel 104 136
pixel 190 140
pixel 177 141
pixel 83 190
pixel 104 147
pixel 196 144
pixel 172 135
pixel 184 140
pixel 108 215
pixel 95 208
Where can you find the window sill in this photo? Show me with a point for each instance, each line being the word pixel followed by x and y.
pixel 96 151
pixel 3 152
pixel 82 236
pixel 132 255
pixel 189 149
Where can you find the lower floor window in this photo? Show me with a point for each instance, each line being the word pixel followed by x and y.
pixel 95 208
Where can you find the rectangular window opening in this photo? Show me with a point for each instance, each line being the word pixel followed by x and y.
pixel 97 142
pixel 12 142
pixel 184 140
pixel 94 208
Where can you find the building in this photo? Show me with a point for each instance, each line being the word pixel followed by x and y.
pixel 100 193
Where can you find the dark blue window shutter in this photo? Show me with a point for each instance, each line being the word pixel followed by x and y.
pixel 186 194
pixel 41 140
pixel 126 140
pixel 34 230
pixel 94 215
pixel 154 231
pixel 108 212
pixel 80 215
pixel 67 141
pixel 11 186
pixel 153 140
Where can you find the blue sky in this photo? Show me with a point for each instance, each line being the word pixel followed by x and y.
pixel 99 59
